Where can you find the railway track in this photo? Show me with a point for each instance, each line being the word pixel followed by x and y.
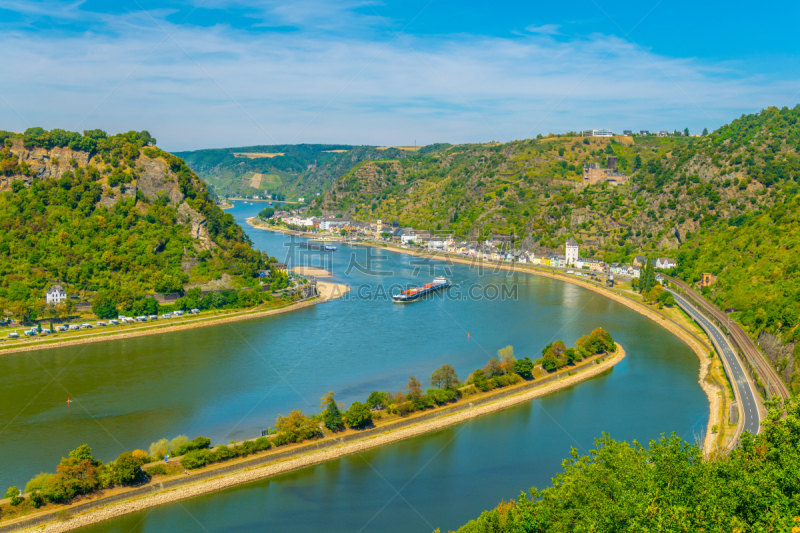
pixel 769 376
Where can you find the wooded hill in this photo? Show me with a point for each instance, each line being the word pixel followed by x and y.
pixel 722 203
pixel 301 170
pixel 94 212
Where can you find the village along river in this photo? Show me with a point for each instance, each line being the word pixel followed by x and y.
pixel 230 381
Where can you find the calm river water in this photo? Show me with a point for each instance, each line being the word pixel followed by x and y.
pixel 231 381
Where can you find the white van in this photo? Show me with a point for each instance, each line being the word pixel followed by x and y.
pixel 114 322
pixel 74 327
pixel 13 335
pixel 152 317
pixel 141 319
pixel 178 313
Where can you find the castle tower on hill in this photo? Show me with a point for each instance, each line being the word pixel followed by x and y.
pixel 571 252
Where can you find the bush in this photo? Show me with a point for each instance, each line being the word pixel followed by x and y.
pixel 441 396
pixel 157 470
pixel 223 452
pixel 39 482
pixel 263 443
pixel 198 443
pixel 37 500
pixel 197 459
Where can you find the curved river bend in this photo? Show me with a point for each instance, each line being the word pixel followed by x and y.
pixel 231 381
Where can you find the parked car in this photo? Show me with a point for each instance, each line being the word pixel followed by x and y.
pixel 194 311
pixel 178 313
pixel 13 335
pixel 166 315
pixel 74 327
pixel 114 322
pixel 152 317
pixel 86 325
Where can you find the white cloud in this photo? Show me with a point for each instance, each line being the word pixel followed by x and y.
pixel 222 87
pixel 546 29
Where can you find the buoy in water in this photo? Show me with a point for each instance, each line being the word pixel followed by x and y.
pixel 468 335
pixel 68 401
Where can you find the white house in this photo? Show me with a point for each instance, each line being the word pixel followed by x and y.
pixel 56 294
pixel 571 252
pixel 665 262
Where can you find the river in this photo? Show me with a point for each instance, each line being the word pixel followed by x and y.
pixel 231 381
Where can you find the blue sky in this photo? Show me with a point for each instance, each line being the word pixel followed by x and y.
pixel 212 74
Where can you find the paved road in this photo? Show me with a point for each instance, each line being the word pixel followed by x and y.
pixel 748 408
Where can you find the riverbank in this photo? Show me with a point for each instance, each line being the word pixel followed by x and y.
pixel 281 460
pixel 167 327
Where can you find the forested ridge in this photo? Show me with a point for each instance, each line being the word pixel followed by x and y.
pixel 302 169
pixel 723 203
pixel 112 214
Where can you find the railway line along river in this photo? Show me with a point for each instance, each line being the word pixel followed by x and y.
pixel 230 381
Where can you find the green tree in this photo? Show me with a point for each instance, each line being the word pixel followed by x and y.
pixel 705 131
pixel 524 367
pixel 637 162
pixel 333 417
pixel 358 415
pixel 444 377
pixel 13 494
pixel 686 132
pixel 103 306
pixel 414 390
pixel 378 400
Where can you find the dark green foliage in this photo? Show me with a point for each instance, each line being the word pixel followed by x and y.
pixel 647 277
pixel 524 367
pixel 103 306
pixel 668 486
pixel 358 415
pixel 13 494
pixel 333 417
pixel 266 213
pixel 198 443
pixel 197 459
pixel 378 400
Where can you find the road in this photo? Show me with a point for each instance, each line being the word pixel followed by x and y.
pixel 748 407
pixel 769 376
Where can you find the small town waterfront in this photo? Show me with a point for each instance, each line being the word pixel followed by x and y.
pixel 230 381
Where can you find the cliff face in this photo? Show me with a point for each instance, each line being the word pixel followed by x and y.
pixel 153 177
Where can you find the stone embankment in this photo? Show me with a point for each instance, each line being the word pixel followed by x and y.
pixel 270 465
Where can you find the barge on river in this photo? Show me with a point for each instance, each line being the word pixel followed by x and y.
pixel 416 293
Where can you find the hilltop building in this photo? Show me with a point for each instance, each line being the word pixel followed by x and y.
pixel 571 252
pixel 598 133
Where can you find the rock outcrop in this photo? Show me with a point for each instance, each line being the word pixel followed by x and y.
pixel 199 226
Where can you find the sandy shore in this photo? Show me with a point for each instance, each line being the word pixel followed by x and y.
pixel 331 291
pixel 321 456
pixel 312 271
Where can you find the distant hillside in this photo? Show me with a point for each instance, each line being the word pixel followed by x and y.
pixel 108 213
pixel 289 170
pixel 724 203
